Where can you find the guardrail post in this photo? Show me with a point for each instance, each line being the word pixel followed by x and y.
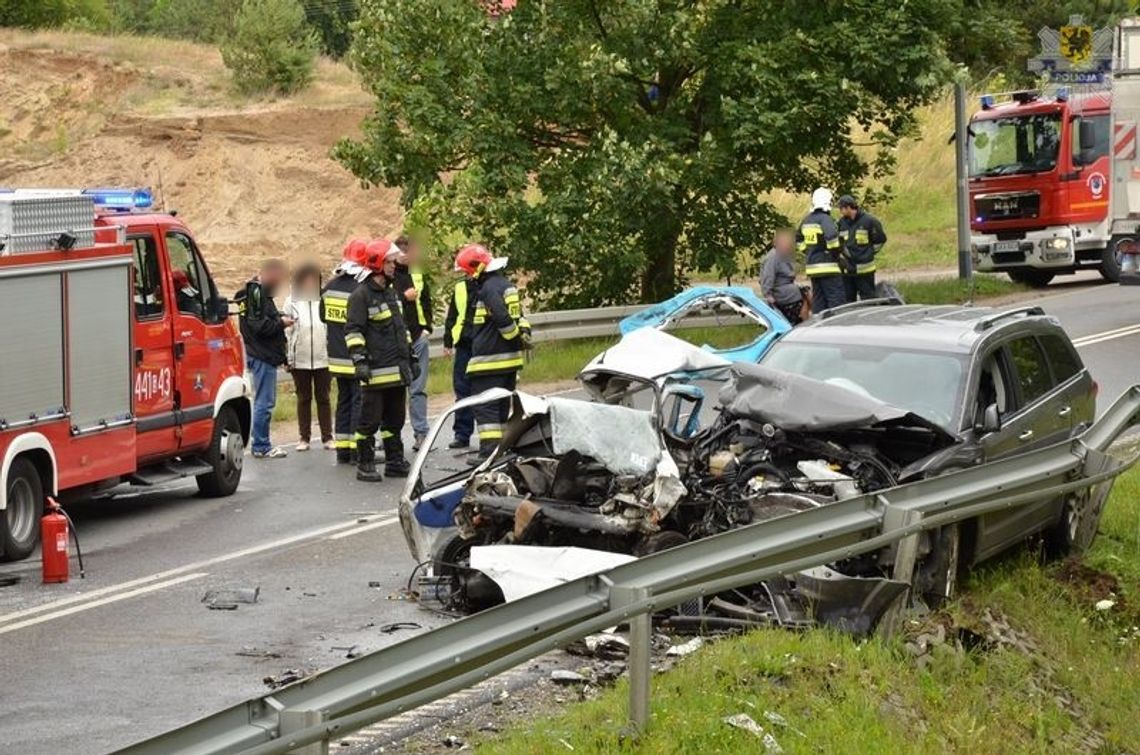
pixel 640 654
pixel 294 719
pixel 906 554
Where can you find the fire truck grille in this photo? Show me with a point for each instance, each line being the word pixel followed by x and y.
pixel 1007 206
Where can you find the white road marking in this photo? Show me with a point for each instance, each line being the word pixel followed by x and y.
pixel 1107 335
pixel 194 567
pixel 364 528
pixel 100 602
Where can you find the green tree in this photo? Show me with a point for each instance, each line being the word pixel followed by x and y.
pixel 198 20
pixel 610 147
pixel 44 13
pixel 332 22
pixel 271 49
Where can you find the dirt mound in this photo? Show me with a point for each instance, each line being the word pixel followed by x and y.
pixel 252 181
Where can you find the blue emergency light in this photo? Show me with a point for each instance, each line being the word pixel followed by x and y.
pixel 1063 94
pixel 987 101
pixel 121 200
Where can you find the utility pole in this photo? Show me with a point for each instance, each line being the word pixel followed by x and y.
pixel 965 268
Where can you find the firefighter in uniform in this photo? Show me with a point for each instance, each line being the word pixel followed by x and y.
pixel 863 237
pixel 499 335
pixel 818 239
pixel 381 353
pixel 334 312
pixel 457 344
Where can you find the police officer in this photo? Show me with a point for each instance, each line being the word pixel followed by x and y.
pixel 334 312
pixel 863 237
pixel 500 334
pixel 457 344
pixel 382 359
pixel 818 239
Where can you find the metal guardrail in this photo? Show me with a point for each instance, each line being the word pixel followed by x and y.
pixel 437 663
pixel 574 323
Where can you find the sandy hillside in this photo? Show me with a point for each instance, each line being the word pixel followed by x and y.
pixel 250 178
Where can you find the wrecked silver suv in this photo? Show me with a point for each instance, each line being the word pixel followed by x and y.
pixel 681 444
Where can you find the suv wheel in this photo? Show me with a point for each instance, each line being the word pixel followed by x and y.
pixel 1080 517
pixel 1030 277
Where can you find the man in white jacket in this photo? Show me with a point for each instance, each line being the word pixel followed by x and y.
pixel 307 355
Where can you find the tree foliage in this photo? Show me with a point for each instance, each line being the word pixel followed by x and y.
pixel 332 20
pixel 271 49
pixel 42 13
pixel 610 147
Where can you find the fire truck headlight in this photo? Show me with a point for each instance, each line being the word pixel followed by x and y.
pixel 1059 242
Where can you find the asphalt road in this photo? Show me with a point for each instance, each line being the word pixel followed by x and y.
pixel 132 650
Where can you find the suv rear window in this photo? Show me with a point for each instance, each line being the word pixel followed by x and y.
pixel 1032 369
pixel 1065 361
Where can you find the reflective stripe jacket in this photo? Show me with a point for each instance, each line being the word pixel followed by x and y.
pixel 334 313
pixel 460 312
pixel 417 313
pixel 498 326
pixel 375 332
pixel 818 239
pixel 864 237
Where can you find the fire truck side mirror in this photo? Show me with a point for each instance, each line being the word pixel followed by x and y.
pixel 220 309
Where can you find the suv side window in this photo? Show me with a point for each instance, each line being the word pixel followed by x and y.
pixel 1032 370
pixel 993 388
pixel 1062 357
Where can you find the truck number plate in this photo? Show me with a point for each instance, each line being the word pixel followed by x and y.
pixel 1006 246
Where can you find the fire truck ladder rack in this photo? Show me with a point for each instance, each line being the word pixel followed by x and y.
pixel 440 662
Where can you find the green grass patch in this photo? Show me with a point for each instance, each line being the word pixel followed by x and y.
pixel 954 291
pixel 1074 690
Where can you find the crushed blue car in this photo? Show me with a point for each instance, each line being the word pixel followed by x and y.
pixel 738 301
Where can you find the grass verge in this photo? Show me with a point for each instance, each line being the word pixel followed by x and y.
pixel 1042 671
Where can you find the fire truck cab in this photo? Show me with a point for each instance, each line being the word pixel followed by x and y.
pixel 120 361
pixel 1039 186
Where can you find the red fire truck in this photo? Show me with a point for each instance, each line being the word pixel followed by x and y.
pixel 1039 186
pixel 120 362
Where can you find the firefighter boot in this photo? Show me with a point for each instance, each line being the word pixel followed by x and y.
pixel 366 470
pixel 395 465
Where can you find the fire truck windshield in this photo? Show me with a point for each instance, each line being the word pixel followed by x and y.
pixel 1019 144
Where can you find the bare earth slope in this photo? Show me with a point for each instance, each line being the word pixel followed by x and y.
pixel 252 179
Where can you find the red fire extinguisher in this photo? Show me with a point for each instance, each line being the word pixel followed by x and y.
pixel 55 526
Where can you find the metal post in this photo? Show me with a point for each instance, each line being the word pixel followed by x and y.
pixel 906 554
pixel 640 644
pixel 961 134
pixel 292 720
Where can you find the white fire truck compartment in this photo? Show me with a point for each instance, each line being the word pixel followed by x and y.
pixel 32 224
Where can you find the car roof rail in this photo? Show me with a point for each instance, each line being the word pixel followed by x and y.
pixel 988 322
pixel 883 302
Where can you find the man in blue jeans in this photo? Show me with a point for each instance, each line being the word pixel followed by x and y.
pixel 263 331
pixel 415 295
pixel 457 343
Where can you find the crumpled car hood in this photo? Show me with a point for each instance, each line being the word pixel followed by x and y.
pixel 650 355
pixel 801 404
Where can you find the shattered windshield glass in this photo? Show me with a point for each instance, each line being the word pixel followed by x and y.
pixel 1005 146
pixel 923 382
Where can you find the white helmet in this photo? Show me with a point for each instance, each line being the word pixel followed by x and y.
pixel 821 199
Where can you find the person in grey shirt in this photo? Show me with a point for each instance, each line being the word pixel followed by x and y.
pixel 778 278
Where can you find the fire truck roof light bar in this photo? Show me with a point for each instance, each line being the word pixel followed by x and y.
pixel 122 200
pixel 115 199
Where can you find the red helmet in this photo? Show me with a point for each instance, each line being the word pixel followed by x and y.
pixel 180 279
pixel 354 251
pixel 376 252
pixel 472 259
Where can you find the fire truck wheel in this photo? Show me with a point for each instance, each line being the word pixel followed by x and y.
pixel 1110 261
pixel 1030 277
pixel 20 522
pixel 227 449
